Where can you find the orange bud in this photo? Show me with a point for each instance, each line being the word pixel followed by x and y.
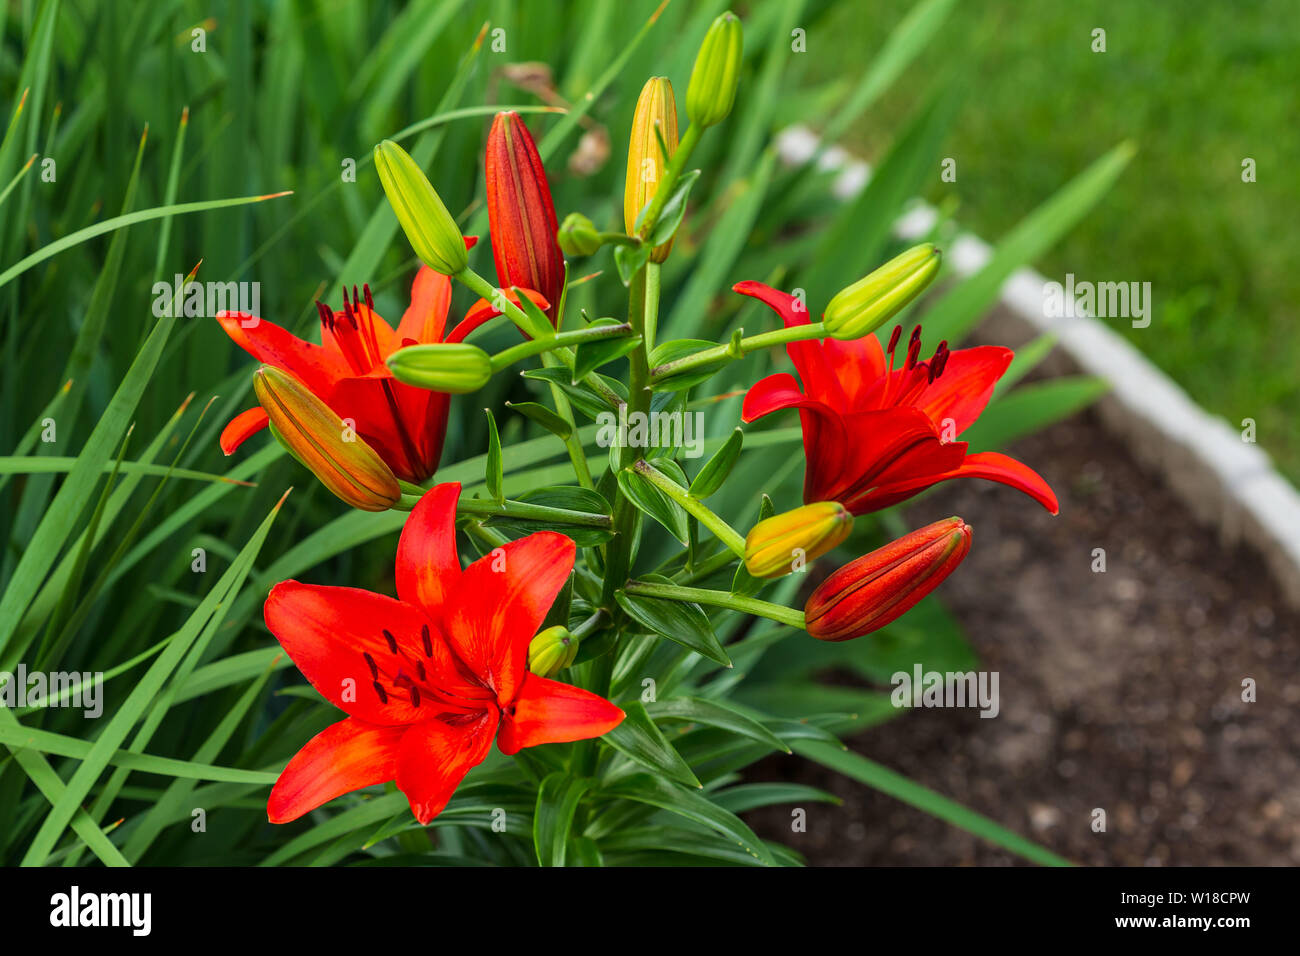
pixel 879 587
pixel 776 545
pixel 656 108
pixel 328 447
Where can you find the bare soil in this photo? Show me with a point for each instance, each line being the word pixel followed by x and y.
pixel 1120 690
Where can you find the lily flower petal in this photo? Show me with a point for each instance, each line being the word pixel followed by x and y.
pixel 435 756
pixel 343 757
pixel 313 365
pixel 501 601
pixel 549 712
pixel 990 465
pixel 241 428
pixel 329 631
pixel 425 319
pixel 966 385
pixel 428 570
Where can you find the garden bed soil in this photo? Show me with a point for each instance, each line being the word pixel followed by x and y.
pixel 1119 690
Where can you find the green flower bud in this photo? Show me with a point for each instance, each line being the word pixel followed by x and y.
pixel 712 90
pixel 871 301
pixel 455 367
pixel 429 227
pixel 551 651
pixel 578 235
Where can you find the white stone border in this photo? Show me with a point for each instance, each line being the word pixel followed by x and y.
pixel 1220 477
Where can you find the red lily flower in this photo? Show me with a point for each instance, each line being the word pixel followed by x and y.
pixel 404 425
pixel 431 678
pixel 521 216
pixel 875 435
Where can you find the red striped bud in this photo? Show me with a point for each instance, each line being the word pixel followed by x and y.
pixel 521 216
pixel 880 587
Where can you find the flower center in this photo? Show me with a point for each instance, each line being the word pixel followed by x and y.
pixel 915 376
pixel 400 674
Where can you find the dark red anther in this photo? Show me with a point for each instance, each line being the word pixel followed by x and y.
pixel 326 315
pixel 374 668
pixel 370 301
pixel 419 669
pixel 383 694
pixel 913 350
pixel 426 640
pixel 893 339
pixel 415 696
pixel 392 641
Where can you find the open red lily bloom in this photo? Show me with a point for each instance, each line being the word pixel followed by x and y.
pixel 875 435
pixel 431 678
pixel 404 425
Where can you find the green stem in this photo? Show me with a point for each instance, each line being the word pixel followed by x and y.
pixel 735 350
pixel 710 565
pixel 617 239
pixel 721 530
pixel 668 182
pixel 531 512
pixel 509 356
pixel 480 286
pixel 593 623
pixel 652 288
pixel 477 284
pixel 619 551
pixel 724 599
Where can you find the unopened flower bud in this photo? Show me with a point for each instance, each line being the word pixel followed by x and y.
pixel 454 367
pixel 879 587
pixel 428 225
pixel 521 216
pixel 712 89
pixel 656 109
pixel 776 545
pixel 324 443
pixel 551 651
pixel 578 235
pixel 864 306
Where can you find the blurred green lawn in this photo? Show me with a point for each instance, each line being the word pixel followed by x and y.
pixel 1199 85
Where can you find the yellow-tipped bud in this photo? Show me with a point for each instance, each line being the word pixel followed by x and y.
pixel 551 651
pixel 454 367
pixel 712 90
pixel 327 446
pixel 655 109
pixel 871 301
pixel 428 225
pixel 787 542
pixel 578 235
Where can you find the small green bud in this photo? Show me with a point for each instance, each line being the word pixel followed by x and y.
pixel 552 651
pixel 870 302
pixel 454 367
pixel 428 225
pixel 578 235
pixel 712 90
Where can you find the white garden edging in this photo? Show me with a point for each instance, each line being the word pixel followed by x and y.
pixel 1221 478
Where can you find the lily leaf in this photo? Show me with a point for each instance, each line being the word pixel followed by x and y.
pixel 638 739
